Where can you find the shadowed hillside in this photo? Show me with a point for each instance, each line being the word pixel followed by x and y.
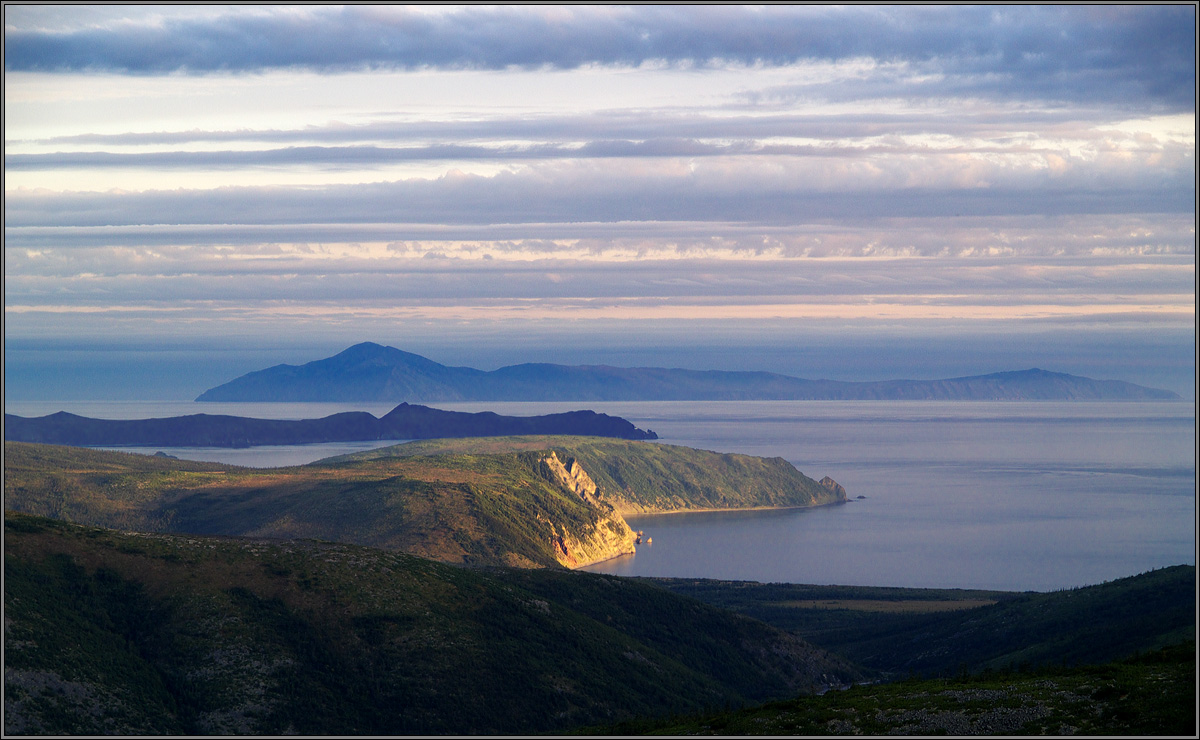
pixel 898 632
pixel 123 633
pixel 1150 695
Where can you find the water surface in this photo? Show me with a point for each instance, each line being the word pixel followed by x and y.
pixel 1017 496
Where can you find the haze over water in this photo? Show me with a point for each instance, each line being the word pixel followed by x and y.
pixel 1013 496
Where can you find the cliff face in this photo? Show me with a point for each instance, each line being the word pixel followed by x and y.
pixel 608 538
pixel 572 476
pixel 833 487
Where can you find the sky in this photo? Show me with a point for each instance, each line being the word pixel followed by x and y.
pixel 192 193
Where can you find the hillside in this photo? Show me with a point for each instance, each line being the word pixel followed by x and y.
pixel 372 372
pixel 501 501
pixel 650 478
pixel 1151 695
pixel 403 422
pixel 897 632
pixel 123 633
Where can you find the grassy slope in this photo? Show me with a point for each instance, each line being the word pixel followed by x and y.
pixel 481 509
pixel 1085 625
pixel 485 501
pixel 122 633
pixel 644 477
pixel 1151 694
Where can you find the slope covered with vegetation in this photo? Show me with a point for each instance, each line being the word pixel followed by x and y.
pixel 496 500
pixel 1151 694
pixel 473 509
pixel 897 632
pixel 134 633
pixel 643 478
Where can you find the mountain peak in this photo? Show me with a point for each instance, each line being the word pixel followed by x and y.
pixel 363 348
pixel 373 372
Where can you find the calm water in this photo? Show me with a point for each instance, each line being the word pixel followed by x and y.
pixel 1012 496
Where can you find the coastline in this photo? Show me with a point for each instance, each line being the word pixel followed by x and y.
pixel 738 508
pixel 604 560
pixel 700 511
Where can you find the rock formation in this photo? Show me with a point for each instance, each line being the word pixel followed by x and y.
pixel 573 477
pixel 608 538
pixel 834 487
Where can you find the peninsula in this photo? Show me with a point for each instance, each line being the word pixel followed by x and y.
pixel 404 422
pixel 529 501
pixel 372 372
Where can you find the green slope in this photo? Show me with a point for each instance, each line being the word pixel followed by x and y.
pixel 498 509
pixel 650 477
pixel 123 633
pixel 1152 695
pixel 489 501
pixel 899 632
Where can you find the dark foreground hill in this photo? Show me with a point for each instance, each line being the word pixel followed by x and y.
pixel 371 372
pixel 123 633
pixel 401 423
pixel 120 633
pixel 493 500
pixel 1152 695
pixel 898 632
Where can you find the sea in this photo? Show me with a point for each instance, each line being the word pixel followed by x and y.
pixel 1014 496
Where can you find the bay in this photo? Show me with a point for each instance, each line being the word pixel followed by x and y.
pixel 1000 495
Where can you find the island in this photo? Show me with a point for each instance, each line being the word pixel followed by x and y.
pixel 404 422
pixel 372 372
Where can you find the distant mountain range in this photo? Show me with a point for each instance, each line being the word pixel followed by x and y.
pixel 372 372
pixel 401 423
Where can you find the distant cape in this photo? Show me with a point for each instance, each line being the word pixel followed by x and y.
pixel 372 372
pixel 405 422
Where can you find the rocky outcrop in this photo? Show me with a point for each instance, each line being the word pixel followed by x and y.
pixel 573 477
pixel 609 537
pixel 833 487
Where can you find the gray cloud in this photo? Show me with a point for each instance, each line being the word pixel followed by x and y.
pixel 580 194
pixel 187 279
pixel 359 156
pixel 659 125
pixel 1135 55
pixel 1137 234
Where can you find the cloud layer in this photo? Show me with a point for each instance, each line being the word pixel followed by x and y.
pixel 1060 52
pixel 599 171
